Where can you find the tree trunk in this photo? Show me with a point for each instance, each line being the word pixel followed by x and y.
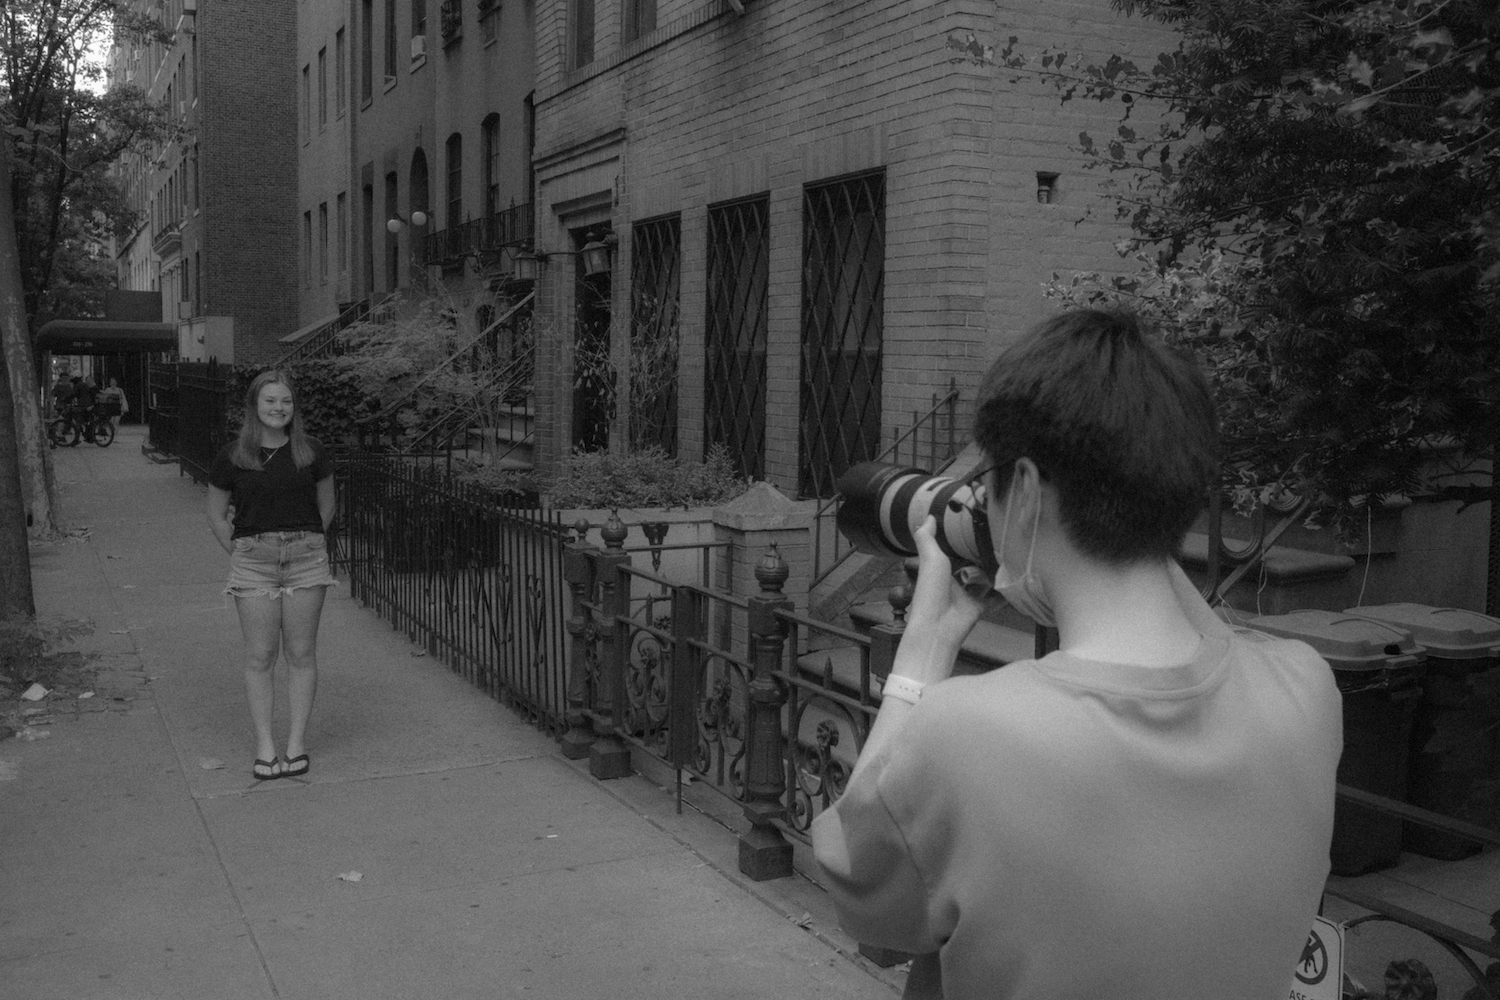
pixel 24 409
pixel 16 600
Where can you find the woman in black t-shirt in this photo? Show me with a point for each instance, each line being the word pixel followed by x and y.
pixel 280 484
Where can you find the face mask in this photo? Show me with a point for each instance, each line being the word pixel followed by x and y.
pixel 1024 593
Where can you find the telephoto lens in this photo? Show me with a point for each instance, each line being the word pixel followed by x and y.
pixel 885 504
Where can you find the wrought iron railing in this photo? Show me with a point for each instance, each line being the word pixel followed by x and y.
pixel 504 408
pixel 478 584
pixel 324 340
pixel 203 392
pixel 509 227
pixel 929 442
pixel 164 421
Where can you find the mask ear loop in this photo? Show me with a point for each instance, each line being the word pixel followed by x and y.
pixel 1036 522
pixel 1010 500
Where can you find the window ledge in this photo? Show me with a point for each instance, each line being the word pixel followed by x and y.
pixel 390 85
pixel 418 62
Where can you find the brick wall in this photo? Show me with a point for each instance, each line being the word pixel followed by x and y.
pixel 247 131
pixel 714 106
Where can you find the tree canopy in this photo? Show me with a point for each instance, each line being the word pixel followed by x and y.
pixel 1313 210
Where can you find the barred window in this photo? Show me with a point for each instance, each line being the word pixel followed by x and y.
pixel 843 275
pixel 655 300
pixel 735 369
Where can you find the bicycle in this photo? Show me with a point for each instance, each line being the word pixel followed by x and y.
pixel 93 425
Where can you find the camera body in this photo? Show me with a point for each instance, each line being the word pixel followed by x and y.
pixel 885 504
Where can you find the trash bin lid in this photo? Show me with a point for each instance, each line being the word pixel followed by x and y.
pixel 1347 642
pixel 1449 633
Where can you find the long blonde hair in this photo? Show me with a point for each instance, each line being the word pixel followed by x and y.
pixel 246 452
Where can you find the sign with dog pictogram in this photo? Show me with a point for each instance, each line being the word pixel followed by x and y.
pixel 1320 971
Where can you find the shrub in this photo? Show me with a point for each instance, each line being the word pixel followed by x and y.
pixel 646 478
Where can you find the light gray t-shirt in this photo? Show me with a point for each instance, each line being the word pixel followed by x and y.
pixel 1069 828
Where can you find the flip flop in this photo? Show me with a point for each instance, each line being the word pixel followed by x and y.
pixel 292 768
pixel 269 765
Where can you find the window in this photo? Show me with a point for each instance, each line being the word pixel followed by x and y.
pixel 581 32
pixel 338 70
pixel 392 240
pixel 455 180
pixel 199 298
pixel 323 242
pixel 197 180
pixel 390 40
pixel 307 247
pixel 367 237
pixel 418 17
pixel 640 18
pixel 367 49
pixel 843 278
pixel 489 20
pixel 341 220
pixel 490 138
pixel 323 88
pixel 184 287
pixel 306 100
pixel 655 294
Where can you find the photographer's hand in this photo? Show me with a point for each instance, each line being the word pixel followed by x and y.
pixel 941 615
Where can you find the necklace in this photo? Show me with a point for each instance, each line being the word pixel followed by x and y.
pixel 270 453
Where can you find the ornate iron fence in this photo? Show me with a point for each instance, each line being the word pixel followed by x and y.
pixel 189 413
pixel 164 422
pixel 735 383
pixel 843 291
pixel 480 585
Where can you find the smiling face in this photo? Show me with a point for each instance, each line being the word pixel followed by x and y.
pixel 274 407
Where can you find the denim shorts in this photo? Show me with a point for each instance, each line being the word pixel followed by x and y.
pixel 273 563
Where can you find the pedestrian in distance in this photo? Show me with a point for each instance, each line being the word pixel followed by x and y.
pixel 279 482
pixel 1145 812
pixel 112 393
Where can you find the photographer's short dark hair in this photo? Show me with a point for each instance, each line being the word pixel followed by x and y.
pixel 1119 423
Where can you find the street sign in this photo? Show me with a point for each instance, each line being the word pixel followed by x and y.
pixel 1320 971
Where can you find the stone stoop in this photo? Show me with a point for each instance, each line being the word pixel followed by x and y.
pixel 1292 579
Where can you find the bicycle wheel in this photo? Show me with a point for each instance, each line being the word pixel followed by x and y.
pixel 62 432
pixel 104 432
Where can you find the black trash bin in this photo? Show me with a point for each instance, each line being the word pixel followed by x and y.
pixel 1455 749
pixel 1378 667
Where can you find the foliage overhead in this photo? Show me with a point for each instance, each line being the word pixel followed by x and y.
pixel 67 133
pixel 1319 178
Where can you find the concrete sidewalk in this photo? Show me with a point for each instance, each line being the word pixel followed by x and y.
pixel 489 866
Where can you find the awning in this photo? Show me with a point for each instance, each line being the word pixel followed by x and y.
pixel 103 336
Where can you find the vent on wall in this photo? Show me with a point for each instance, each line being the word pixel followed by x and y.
pixel 418 46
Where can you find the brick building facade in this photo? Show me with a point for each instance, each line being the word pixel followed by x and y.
pixel 217 238
pixel 842 206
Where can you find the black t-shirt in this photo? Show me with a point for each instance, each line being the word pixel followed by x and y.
pixel 280 497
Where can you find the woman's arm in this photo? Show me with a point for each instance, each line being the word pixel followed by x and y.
pixel 218 517
pixel 326 507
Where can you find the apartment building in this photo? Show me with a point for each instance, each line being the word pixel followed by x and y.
pixel 216 204
pixel 833 209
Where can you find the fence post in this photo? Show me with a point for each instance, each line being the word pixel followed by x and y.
pixel 609 757
pixel 578 573
pixel 764 852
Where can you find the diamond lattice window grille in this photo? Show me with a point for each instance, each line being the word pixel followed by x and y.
pixel 843 278
pixel 655 309
pixel 735 379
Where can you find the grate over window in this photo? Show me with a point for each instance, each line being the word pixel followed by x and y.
pixel 655 308
pixel 843 278
pixel 735 377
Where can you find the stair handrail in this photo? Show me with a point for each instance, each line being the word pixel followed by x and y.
pixel 458 414
pixel 322 338
pixel 1244 559
pixel 468 346
pixel 948 402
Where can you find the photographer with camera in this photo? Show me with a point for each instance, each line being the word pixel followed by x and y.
pixel 1145 812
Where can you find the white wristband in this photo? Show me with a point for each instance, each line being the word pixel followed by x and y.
pixel 902 689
